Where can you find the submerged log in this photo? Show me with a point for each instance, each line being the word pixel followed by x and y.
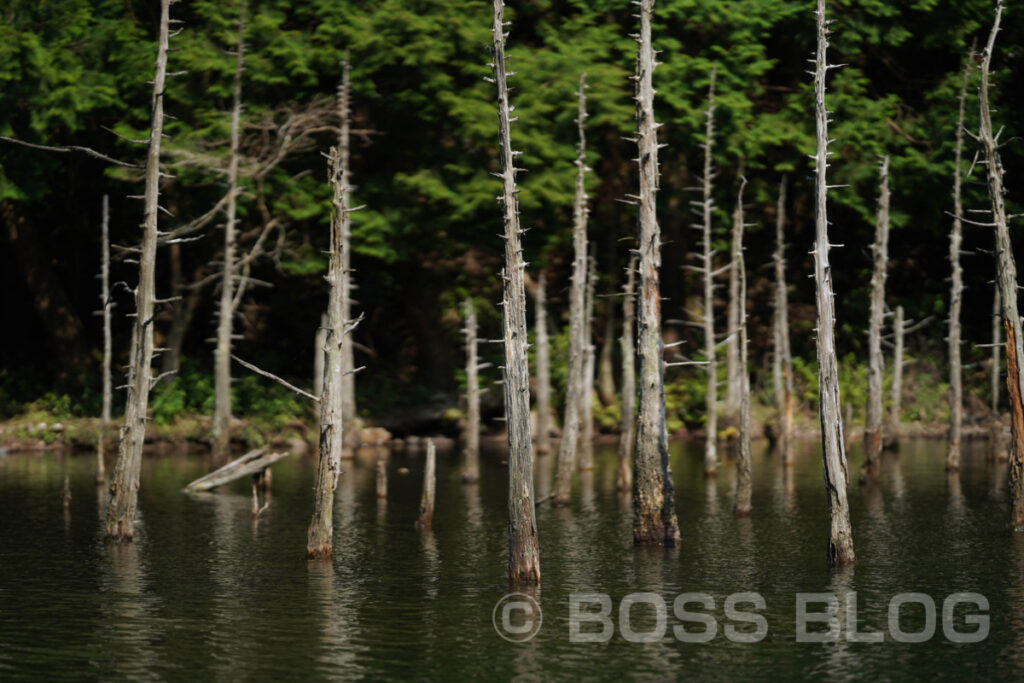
pixel 253 462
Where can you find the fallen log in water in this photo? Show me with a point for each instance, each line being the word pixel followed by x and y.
pixel 251 463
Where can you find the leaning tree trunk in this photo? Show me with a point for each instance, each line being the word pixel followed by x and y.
pixel 956 398
pixel 348 375
pixel 896 404
pixel 997 340
pixel 124 489
pixel 733 383
pixel 107 346
pixel 840 541
pixel 523 551
pixel 577 301
pixel 320 539
pixel 654 517
pixel 587 397
pixel 1007 279
pixel 876 362
pixel 782 359
pixel 226 309
pixel 741 507
pixel 543 368
pixel 471 465
pixel 625 479
pixel 710 347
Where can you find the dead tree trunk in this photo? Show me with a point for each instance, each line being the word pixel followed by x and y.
pixel 587 398
pixel 732 348
pixel 124 489
pixel 997 340
pixel 956 398
pixel 577 303
pixel 625 478
pixel 543 369
pixel 319 343
pixel 1007 279
pixel 382 477
pixel 426 517
pixel 741 507
pixel 876 361
pixel 654 517
pixel 106 305
pixel 605 368
pixel 349 420
pixel 710 347
pixel 896 405
pixel 523 551
pixel 471 466
pixel 782 359
pixel 226 309
pixel 840 541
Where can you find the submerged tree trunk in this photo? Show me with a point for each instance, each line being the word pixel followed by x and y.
pixel 349 420
pixel 876 362
pixel 782 359
pixel 605 368
pixel 710 347
pixel 577 303
pixel 741 508
pixel 426 518
pixel 1007 279
pixel 956 399
pixel 624 481
pixel 471 464
pixel 896 405
pixel 587 395
pixel 523 551
pixel 382 477
pixel 840 541
pixel 654 517
pixel 543 369
pixel 124 488
pixel 106 305
pixel 733 382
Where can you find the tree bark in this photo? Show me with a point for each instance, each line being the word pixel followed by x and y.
pixel 319 344
pixel 577 304
pixel 471 466
pixel 625 479
pixel 742 505
pixel 710 347
pixel 782 359
pixel 124 489
pixel 605 367
pixel 997 339
pixel 426 518
pixel 106 306
pixel 840 541
pixel 349 418
pixel 1007 279
pixel 896 405
pixel 734 386
pixel 956 399
pixel 654 517
pixel 543 368
pixel 876 361
pixel 382 477
pixel 523 551
pixel 587 395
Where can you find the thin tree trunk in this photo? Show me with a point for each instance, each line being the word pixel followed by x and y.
pixel 426 517
pixel 997 340
pixel 625 478
pixel 106 305
pixel 319 349
pixel 543 369
pixel 956 399
pixel 840 541
pixel 782 359
pixel 587 398
pixel 896 406
pixel 523 551
pixel 710 348
pixel 742 506
pixel 1007 279
pixel 605 367
pixel 876 361
pixel 471 466
pixel 732 351
pixel 226 310
pixel 577 302
pixel 654 517
pixel 382 477
pixel 124 489
pixel 349 418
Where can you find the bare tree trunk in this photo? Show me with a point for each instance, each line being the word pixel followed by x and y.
pixel 654 517
pixel 471 466
pixel 782 359
pixel 625 478
pixel 226 309
pixel 956 398
pixel 349 419
pixel 320 539
pixel 605 368
pixel 997 340
pixel 124 489
pixel 426 517
pixel 896 407
pixel 319 344
pixel 577 303
pixel 382 477
pixel 876 362
pixel 741 508
pixel 710 347
pixel 840 542
pixel 587 399
pixel 732 349
pixel 106 305
pixel 523 551
pixel 543 369
pixel 1007 287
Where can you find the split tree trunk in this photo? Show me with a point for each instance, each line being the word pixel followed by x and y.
pixel 654 517
pixel 106 305
pixel 836 475
pixel 543 369
pixel 710 347
pixel 896 405
pixel 876 361
pixel 782 359
pixel 577 303
pixel 625 479
pixel 523 551
pixel 426 518
pixel 1007 279
pixel 587 397
pixel 742 505
pixel 471 466
pixel 350 432
pixel 124 489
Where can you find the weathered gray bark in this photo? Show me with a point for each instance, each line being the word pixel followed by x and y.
pixel 605 367
pixel 229 278
pixel 124 489
pixel 654 517
pixel 624 480
pixel 106 306
pixel 742 505
pixel 319 343
pixel 733 382
pixel 577 303
pixel 876 361
pixel 710 347
pixel 349 420
pixel 997 340
pixel 896 404
pixel 586 458
pixel 1007 279
pixel 782 359
pixel 543 368
pixel 426 518
pixel 956 398
pixel 471 465
pixel 253 462
pixel 836 476
pixel 523 551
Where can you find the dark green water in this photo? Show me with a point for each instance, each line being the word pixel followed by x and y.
pixel 206 593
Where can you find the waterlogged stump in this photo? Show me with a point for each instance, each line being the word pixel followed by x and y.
pixel 253 462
